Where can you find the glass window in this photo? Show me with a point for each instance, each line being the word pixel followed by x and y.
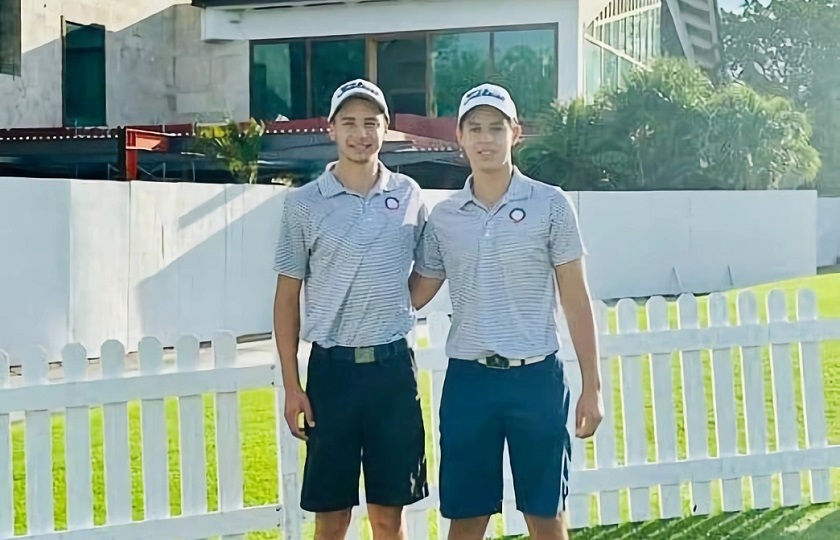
pixel 459 62
pixel 525 62
pixel 278 81
pixel 83 76
pixel 401 74
pixel 10 27
pixel 592 69
pixel 333 63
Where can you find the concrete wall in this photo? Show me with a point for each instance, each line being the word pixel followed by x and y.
pixel 158 69
pixel 411 16
pixel 88 261
pixel 828 231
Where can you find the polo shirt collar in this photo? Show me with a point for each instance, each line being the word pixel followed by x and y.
pixel 330 186
pixel 517 190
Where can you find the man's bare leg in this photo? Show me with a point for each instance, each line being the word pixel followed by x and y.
pixel 387 522
pixel 541 528
pixel 468 529
pixel 332 525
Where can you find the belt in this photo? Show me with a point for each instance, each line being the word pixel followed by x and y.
pixel 364 355
pixel 500 362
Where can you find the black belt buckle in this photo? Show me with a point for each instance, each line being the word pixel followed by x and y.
pixel 498 362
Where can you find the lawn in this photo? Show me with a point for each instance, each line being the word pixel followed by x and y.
pixel 260 470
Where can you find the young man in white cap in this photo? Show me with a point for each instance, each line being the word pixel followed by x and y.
pixel 350 237
pixel 507 244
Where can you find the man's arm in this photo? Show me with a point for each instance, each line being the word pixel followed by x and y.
pixel 429 273
pixel 290 262
pixel 566 251
pixel 577 306
pixel 287 329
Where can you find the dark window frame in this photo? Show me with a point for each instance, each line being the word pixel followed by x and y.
pixel 372 40
pixel 11 55
pixel 103 112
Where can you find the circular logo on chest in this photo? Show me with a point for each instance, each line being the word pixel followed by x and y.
pixel 516 215
pixel 392 203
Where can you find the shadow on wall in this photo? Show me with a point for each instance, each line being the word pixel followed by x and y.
pixel 210 268
pixel 157 68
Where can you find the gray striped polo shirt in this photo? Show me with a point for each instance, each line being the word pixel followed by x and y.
pixel 354 254
pixel 500 265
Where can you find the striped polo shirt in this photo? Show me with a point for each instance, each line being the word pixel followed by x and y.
pixel 354 254
pixel 500 265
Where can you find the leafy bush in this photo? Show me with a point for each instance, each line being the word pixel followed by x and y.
pixel 671 128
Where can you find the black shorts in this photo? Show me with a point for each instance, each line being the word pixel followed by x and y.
pixel 366 407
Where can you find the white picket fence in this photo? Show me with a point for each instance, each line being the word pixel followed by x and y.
pixel 616 467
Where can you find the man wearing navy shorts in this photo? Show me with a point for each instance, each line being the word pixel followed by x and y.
pixel 350 236
pixel 508 244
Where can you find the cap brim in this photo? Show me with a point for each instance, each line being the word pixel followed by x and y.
pixel 476 105
pixel 358 94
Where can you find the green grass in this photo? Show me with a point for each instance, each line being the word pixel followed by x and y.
pixel 260 465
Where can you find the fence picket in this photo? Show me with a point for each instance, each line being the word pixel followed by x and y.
pixel 438 325
pixel 783 399
pixel 155 441
pixel 38 448
pixel 813 399
pixel 723 385
pixel 609 509
pixel 36 398
pixel 633 409
pixel 755 418
pixel 664 426
pixel 694 405
pixel 228 450
pixel 7 504
pixel 288 468
pixel 77 448
pixel 191 421
pixel 115 440
pixel 578 504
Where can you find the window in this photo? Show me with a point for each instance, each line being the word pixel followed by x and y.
pixel 524 61
pixel 401 73
pixel 459 62
pixel 10 48
pixel 83 76
pixel 296 79
pixel 526 64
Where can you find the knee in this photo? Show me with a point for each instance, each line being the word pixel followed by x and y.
pixel 468 529
pixel 548 528
pixel 385 522
pixel 332 525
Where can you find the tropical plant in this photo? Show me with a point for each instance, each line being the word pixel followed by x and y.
pixel 670 128
pixel 237 145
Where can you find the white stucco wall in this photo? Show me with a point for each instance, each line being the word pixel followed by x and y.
pixel 828 231
pixel 89 261
pixel 412 16
pixel 158 70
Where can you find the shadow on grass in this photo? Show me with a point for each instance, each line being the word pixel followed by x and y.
pixel 816 522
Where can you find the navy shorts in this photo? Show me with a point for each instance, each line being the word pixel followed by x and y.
pixel 481 408
pixel 367 418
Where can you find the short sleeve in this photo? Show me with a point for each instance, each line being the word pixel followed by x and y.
pixel 564 242
pixel 429 258
pixel 291 256
pixel 422 218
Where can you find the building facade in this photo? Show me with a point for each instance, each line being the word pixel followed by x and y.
pixel 80 63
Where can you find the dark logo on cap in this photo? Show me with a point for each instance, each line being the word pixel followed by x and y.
pixel 482 92
pixel 391 203
pixel 353 86
pixel 516 215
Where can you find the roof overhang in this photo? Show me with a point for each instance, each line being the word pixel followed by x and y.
pixel 254 4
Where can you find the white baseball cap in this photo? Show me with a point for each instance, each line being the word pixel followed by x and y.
pixel 491 95
pixel 358 88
